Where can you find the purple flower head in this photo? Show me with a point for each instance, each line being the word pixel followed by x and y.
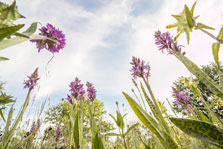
pixel 32 81
pixel 58 133
pixel 55 39
pixel 77 90
pixel 70 99
pixel 182 99
pixel 91 91
pixel 33 127
pixel 165 41
pixel 139 68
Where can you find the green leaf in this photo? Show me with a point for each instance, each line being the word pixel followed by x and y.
pixel 113 134
pixel 2 115
pixel 8 31
pixel 150 103
pixel 31 30
pixel 3 5
pixel 125 115
pixel 6 131
pixel 76 130
pixel 170 141
pixel 189 17
pixel 200 25
pixel 215 50
pixel 3 58
pixel 120 121
pixel 94 128
pixel 16 40
pixel 201 130
pixel 177 17
pixel 5 99
pixel 97 142
pixel 186 30
pixel 192 9
pixel 220 35
pixel 220 73
pixel 9 13
pixel 113 118
pixel 147 120
pixel 20 114
pixel 21 35
pixel 147 146
pixel 131 128
pixel 203 77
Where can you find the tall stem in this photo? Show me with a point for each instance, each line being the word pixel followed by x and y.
pixel 156 105
pixel 212 114
pixel 209 34
pixel 141 98
pixel 70 135
pixel 123 137
pixel 25 105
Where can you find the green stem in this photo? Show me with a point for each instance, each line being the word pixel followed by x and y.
pixel 141 98
pixel 212 114
pixel 70 135
pixel 156 105
pixel 209 34
pixel 123 137
pixel 19 117
pixel 137 97
pixel 40 37
pixel 93 108
pixel 192 112
pixel 171 107
pixel 81 124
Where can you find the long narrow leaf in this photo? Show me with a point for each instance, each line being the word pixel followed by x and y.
pixel 220 73
pixel 215 51
pixel 97 142
pixel 16 40
pixel 113 118
pixel 8 123
pixel 201 130
pixel 113 134
pixel 220 35
pixel 189 17
pixel 120 121
pixel 8 31
pixel 3 58
pixel 200 25
pixel 150 103
pixel 2 115
pixel 146 119
pixel 192 9
pixel 76 130
pixel 131 128
pixel 194 69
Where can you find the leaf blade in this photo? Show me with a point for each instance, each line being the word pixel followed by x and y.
pixel 215 51
pixel 200 129
pixel 189 17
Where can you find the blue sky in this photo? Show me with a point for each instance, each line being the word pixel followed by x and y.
pixel 102 36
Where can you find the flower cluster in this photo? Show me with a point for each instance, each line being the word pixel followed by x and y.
pixel 34 127
pixel 77 91
pixel 182 99
pixel 165 42
pixel 58 133
pixel 32 81
pixel 91 91
pixel 54 39
pixel 139 68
